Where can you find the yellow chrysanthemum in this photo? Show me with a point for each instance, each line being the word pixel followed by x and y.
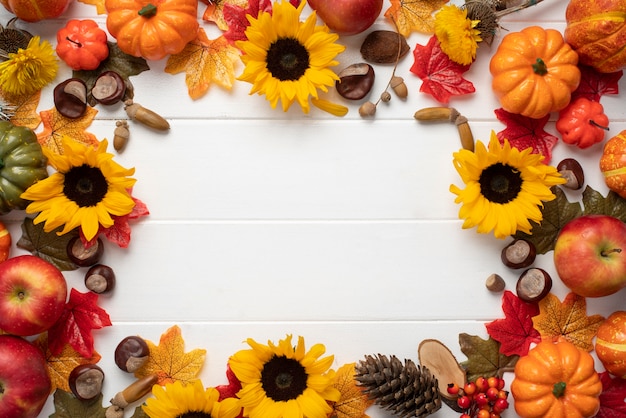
pixel 284 381
pixel 189 400
pixel 86 189
pixel 504 187
pixel 457 34
pixel 29 70
pixel 288 60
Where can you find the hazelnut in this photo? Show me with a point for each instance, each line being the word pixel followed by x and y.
pixel 109 88
pixel 518 254
pixel 84 256
pixel 131 353
pixel 355 81
pixel 495 283
pixel 100 279
pixel 85 381
pixel 573 173
pixel 70 98
pixel 533 285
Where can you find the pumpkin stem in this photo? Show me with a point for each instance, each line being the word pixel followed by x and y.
pixel 148 10
pixel 558 389
pixel 78 44
pixel 597 125
pixel 540 67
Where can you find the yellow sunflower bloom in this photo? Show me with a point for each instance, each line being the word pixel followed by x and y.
pixel 189 400
pixel 29 69
pixel 284 381
pixel 286 59
pixel 505 187
pixel 457 34
pixel 86 189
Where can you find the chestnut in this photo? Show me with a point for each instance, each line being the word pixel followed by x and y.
pixel 495 283
pixel 533 285
pixel 518 254
pixel 573 173
pixel 355 81
pixel 70 98
pixel 84 256
pixel 131 353
pixel 109 88
pixel 85 381
pixel 100 279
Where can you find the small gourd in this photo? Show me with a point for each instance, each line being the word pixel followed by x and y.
pixel 35 10
pixel 613 163
pixel 82 44
pixel 582 123
pixel 611 344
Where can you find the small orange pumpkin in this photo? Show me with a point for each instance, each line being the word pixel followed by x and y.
pixel 613 163
pixel 534 72
pixel 611 344
pixel 556 380
pixel 36 10
pixel 152 29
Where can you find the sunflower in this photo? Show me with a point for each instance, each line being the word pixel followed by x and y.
pixel 284 381
pixel 191 400
pixel 457 34
pixel 288 60
pixel 86 189
pixel 505 187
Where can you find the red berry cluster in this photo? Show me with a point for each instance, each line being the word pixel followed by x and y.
pixel 482 398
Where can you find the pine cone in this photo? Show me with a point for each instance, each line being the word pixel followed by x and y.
pixel 406 390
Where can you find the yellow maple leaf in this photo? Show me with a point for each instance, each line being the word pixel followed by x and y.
pixel 100 7
pixel 169 361
pixel 57 127
pixel 414 15
pixel 60 366
pixel 25 109
pixel 353 402
pixel 205 61
pixel 567 320
pixel 214 11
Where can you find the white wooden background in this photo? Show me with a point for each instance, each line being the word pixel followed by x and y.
pixel 342 230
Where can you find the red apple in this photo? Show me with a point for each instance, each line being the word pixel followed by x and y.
pixel 590 255
pixel 347 17
pixel 24 381
pixel 32 295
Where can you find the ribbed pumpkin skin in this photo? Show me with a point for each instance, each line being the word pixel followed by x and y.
pixel 613 163
pixel 36 10
pixel 597 32
pixel 547 364
pixel 611 344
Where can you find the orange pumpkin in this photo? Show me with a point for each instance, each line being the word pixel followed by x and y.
pixel 152 29
pixel 36 10
pixel 597 32
pixel 534 72
pixel 556 380
pixel 613 163
pixel 611 344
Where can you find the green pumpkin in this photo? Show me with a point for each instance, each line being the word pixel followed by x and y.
pixel 22 163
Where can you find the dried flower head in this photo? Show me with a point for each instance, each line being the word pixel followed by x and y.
pixel 29 69
pixel 457 34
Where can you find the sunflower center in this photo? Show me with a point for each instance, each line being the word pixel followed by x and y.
pixel 287 59
pixel 194 414
pixel 283 378
pixel 85 185
pixel 500 183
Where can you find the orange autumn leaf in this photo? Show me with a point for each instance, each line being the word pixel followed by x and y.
pixel 100 7
pixel 169 361
pixel 205 61
pixel 57 127
pixel 567 320
pixel 25 109
pixel 352 402
pixel 214 11
pixel 414 15
pixel 60 366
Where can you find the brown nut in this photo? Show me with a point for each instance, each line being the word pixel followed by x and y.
pixel 85 381
pixel 573 173
pixel 399 87
pixel 533 285
pixel 100 279
pixel 131 353
pixel 495 283
pixel 109 88
pixel 518 254
pixel 355 81
pixel 82 256
pixel 70 98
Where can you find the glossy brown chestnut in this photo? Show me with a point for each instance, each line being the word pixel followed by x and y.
pixel 533 285
pixel 573 173
pixel 355 81
pixel 109 88
pixel 70 98
pixel 85 381
pixel 100 279
pixel 131 353
pixel 82 256
pixel 518 254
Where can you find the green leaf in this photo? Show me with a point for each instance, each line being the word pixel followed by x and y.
pixel 556 214
pixel 611 205
pixel 47 245
pixel 484 357
pixel 67 405
pixel 139 413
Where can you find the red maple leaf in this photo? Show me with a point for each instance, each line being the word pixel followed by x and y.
pixel 594 84
pixel 237 21
pixel 515 332
pixel 80 316
pixel 441 77
pixel 612 403
pixel 523 132
pixel 230 390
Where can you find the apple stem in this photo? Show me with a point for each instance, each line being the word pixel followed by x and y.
pixel 605 253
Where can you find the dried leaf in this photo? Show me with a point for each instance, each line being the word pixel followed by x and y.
pixel 235 18
pixel 205 61
pixel 47 245
pixel 215 11
pixel 612 403
pixel 593 84
pixel 352 402
pixel 169 361
pixel 25 109
pixel 57 128
pixel 100 7
pixel 515 332
pixel 441 77
pixel 567 320
pixel 523 132
pixel 414 15
pixel 556 213
pixel 484 357
pixel 66 405
pixel 611 205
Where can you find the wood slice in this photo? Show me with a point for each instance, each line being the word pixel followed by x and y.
pixel 442 363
